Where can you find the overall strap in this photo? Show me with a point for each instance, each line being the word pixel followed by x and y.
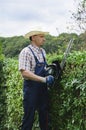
pixel 43 55
pixel 33 54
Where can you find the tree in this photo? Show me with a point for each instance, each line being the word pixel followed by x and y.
pixel 80 15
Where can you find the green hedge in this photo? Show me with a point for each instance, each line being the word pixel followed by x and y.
pixel 14 94
pixel 67 97
pixel 2 91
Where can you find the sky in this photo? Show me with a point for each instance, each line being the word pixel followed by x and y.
pixel 18 17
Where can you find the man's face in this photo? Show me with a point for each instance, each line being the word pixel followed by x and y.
pixel 38 40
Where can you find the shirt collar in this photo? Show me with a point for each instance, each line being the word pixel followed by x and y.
pixel 35 48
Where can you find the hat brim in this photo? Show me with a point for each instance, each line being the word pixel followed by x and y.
pixel 32 33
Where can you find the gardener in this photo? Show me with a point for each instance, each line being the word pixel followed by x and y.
pixel 32 64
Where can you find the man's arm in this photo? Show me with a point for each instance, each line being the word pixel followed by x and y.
pixel 30 75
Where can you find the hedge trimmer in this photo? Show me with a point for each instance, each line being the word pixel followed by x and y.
pixel 57 68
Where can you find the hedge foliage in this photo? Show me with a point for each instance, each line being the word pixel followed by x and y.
pixel 14 94
pixel 68 99
pixel 67 96
pixel 2 91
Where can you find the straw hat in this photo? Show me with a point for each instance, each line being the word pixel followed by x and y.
pixel 32 33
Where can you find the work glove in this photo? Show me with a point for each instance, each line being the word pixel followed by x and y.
pixel 50 80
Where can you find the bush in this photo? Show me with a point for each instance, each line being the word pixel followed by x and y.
pixel 14 94
pixel 67 96
pixel 2 92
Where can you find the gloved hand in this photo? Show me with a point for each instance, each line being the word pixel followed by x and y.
pixel 49 80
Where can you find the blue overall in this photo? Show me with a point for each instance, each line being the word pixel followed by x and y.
pixel 35 98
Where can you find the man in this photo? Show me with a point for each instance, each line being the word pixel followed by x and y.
pixel 32 64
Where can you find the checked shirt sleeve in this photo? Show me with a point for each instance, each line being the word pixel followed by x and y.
pixel 24 60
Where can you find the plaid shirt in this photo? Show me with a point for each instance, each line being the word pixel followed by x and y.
pixel 26 58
